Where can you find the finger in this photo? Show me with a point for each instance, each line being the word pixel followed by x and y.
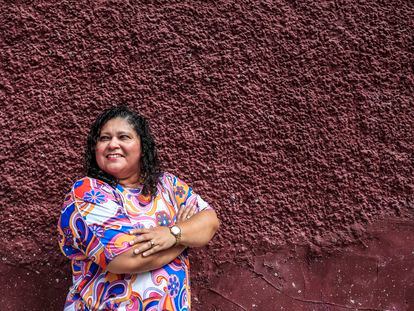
pixel 152 250
pixel 141 238
pixel 143 248
pixel 185 214
pixel 192 212
pixel 180 213
pixel 139 231
pixel 137 251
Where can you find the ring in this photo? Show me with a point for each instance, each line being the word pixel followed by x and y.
pixel 188 217
pixel 152 243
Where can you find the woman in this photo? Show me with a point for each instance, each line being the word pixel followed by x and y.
pixel 126 226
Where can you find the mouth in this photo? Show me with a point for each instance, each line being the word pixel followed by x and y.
pixel 114 156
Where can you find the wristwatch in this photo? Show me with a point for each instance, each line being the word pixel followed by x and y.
pixel 176 232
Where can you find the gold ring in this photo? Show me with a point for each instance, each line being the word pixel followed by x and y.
pixel 152 243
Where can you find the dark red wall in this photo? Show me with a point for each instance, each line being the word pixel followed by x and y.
pixel 293 118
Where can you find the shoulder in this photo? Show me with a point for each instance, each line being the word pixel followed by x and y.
pixel 167 176
pixel 177 187
pixel 171 181
pixel 92 190
pixel 165 181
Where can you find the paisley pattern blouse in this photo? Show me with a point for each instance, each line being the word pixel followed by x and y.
pixel 93 228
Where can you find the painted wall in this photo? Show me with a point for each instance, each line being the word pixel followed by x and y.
pixel 293 118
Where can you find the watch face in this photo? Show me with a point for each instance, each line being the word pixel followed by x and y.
pixel 175 230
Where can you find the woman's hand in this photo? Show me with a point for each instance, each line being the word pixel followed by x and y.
pixel 185 213
pixel 153 240
pixel 159 238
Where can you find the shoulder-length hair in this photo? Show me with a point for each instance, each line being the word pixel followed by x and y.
pixel 150 171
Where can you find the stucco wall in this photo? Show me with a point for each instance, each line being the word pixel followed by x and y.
pixel 293 118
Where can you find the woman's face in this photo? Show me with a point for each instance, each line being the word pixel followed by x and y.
pixel 118 151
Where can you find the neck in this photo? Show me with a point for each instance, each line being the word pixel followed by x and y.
pixel 131 182
pixel 127 185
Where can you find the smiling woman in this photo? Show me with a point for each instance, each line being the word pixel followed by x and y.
pixel 126 226
pixel 118 151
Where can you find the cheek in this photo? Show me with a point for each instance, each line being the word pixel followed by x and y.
pixel 99 152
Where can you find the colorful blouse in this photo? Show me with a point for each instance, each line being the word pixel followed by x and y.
pixel 94 227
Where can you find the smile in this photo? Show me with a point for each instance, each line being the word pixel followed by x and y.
pixel 113 156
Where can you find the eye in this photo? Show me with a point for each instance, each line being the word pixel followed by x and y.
pixel 124 137
pixel 104 138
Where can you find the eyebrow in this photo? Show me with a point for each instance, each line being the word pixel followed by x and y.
pixel 117 133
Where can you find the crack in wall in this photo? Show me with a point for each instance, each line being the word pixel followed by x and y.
pixel 260 275
pixel 225 297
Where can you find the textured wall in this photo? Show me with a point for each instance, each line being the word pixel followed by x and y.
pixel 293 118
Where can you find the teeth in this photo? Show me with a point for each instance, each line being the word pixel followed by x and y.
pixel 114 156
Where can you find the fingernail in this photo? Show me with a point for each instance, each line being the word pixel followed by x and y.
pixel 131 242
pixel 136 251
pixel 144 254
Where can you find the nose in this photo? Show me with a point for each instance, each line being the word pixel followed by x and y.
pixel 113 143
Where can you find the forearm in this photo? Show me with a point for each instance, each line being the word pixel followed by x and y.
pixel 160 259
pixel 130 263
pixel 199 229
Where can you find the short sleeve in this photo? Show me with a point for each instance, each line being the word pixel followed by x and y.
pixel 92 224
pixel 183 194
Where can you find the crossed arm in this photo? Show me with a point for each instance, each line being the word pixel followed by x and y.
pixel 196 231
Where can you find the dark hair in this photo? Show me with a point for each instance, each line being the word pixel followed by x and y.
pixel 150 171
